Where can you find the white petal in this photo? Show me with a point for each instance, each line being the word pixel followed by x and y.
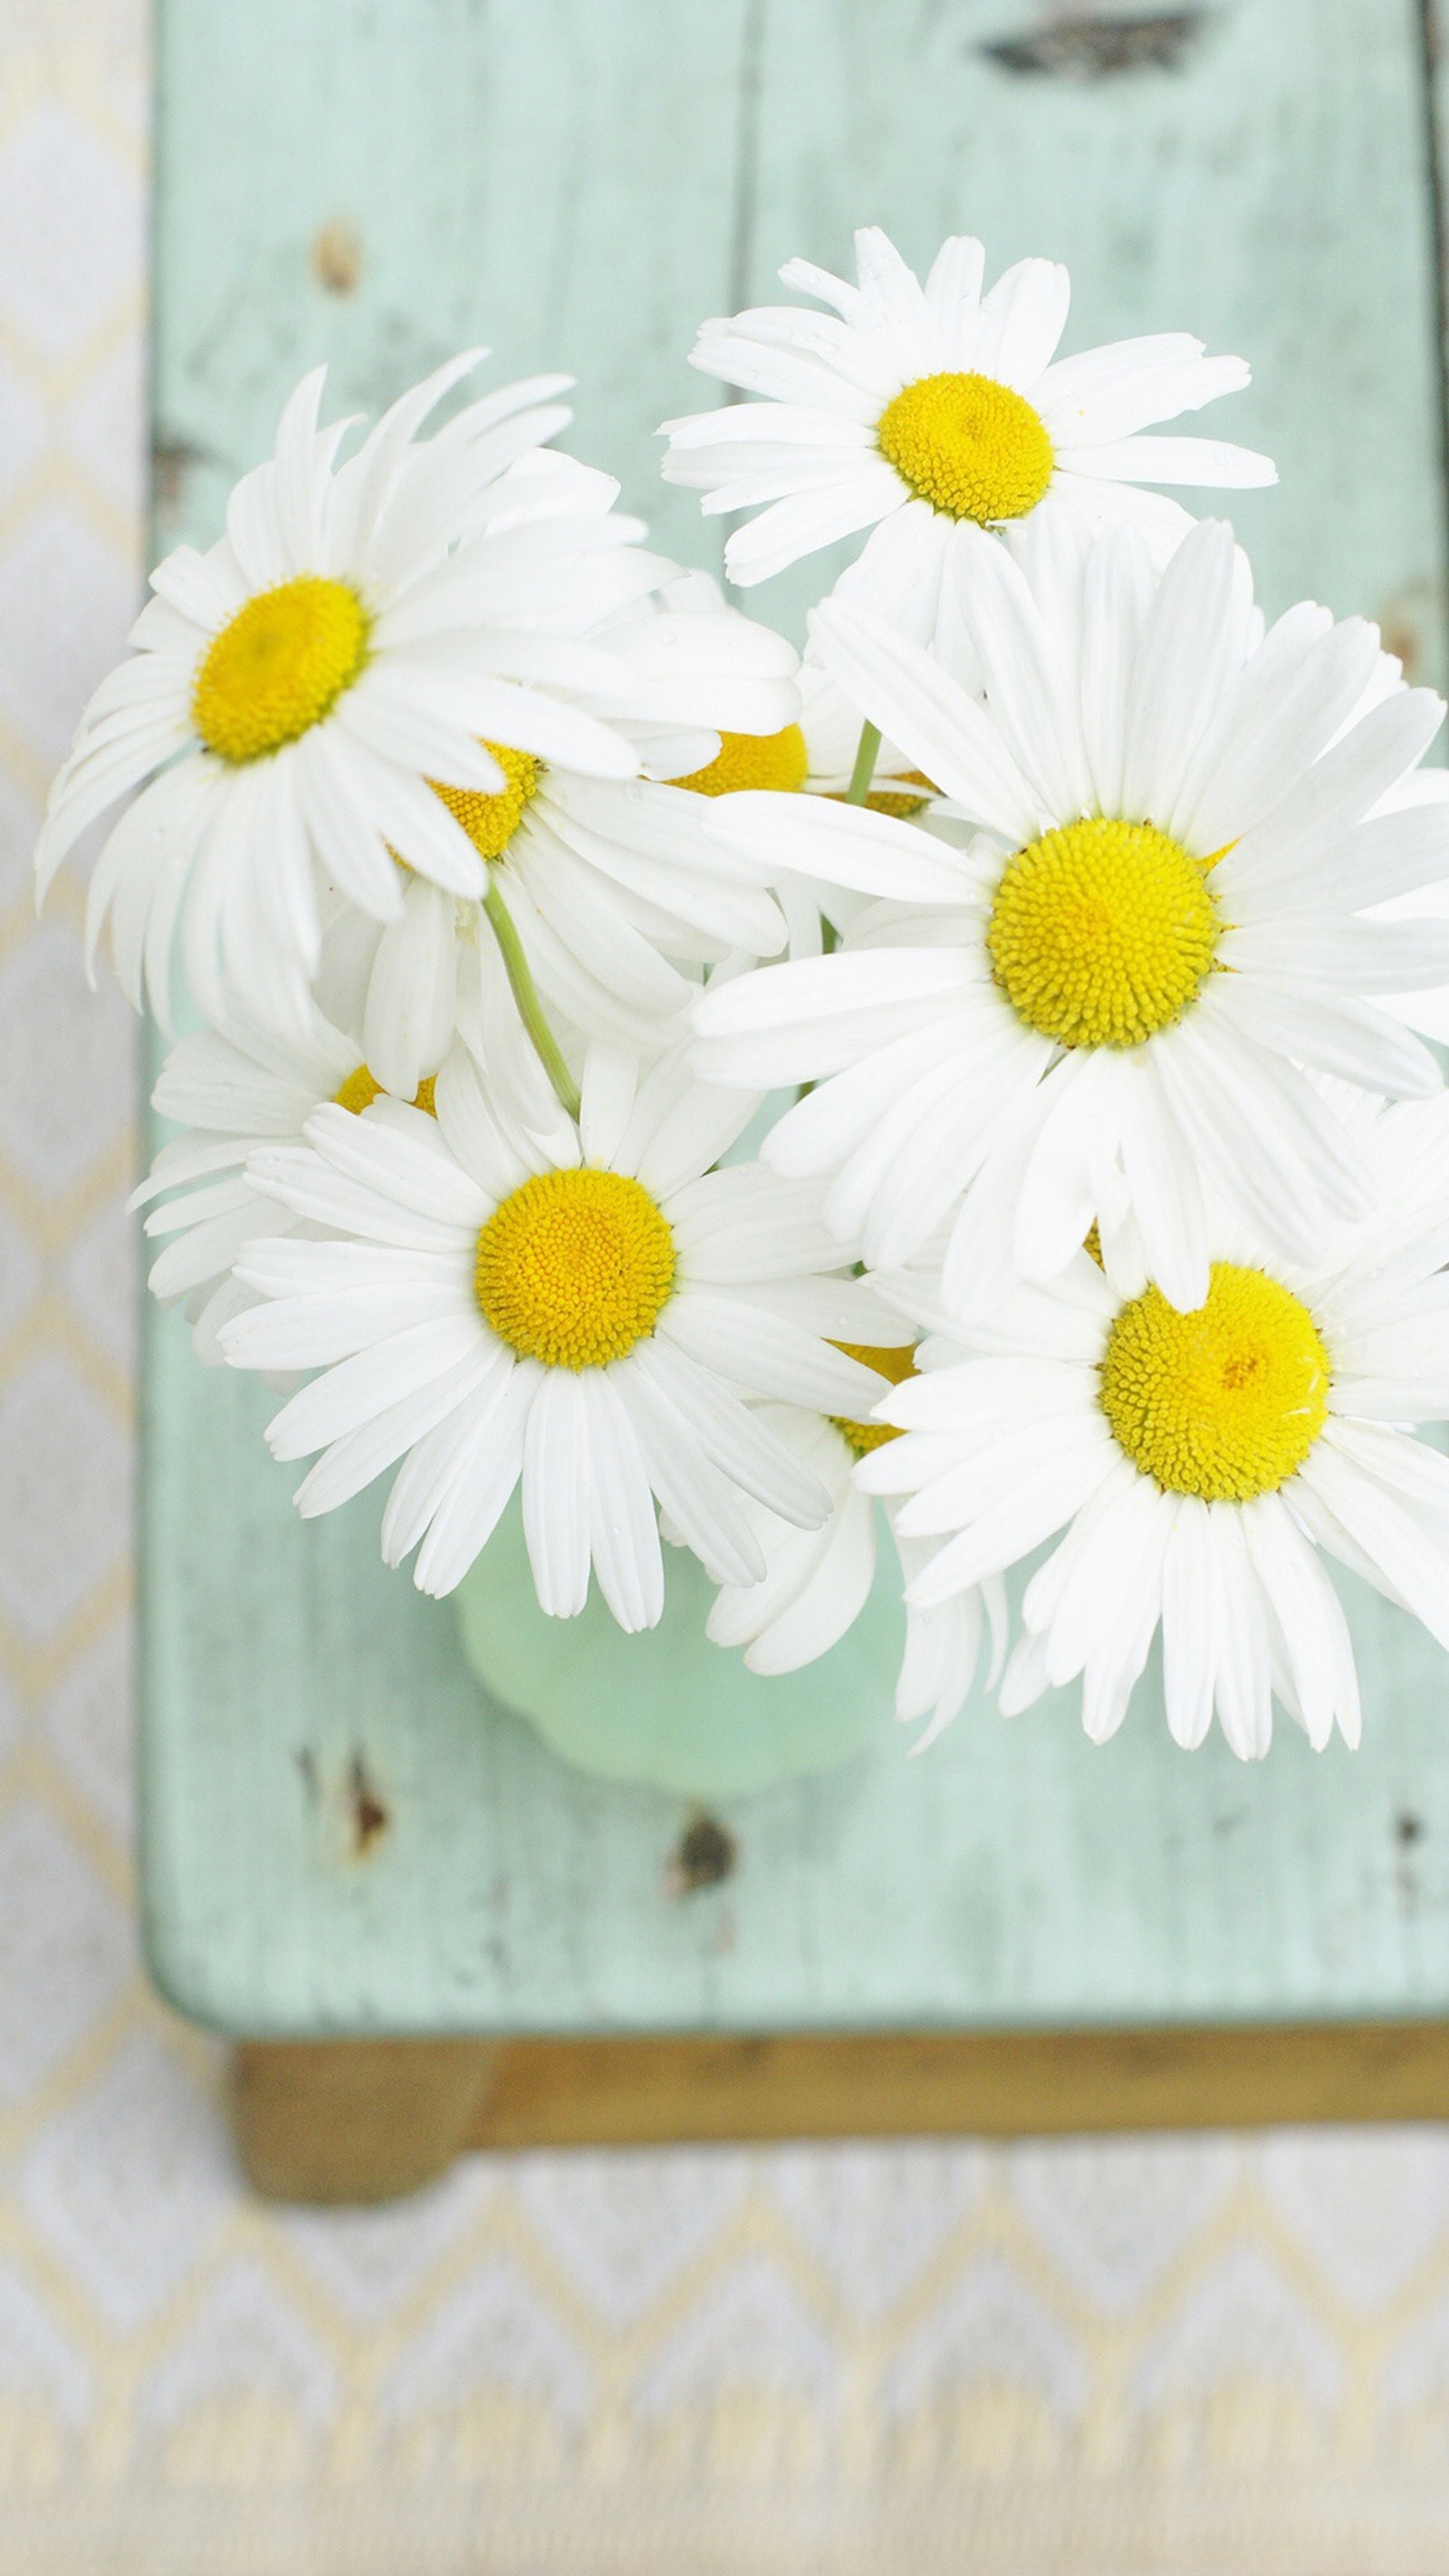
pixel 556 1494
pixel 1173 460
pixel 843 845
pixel 799 526
pixel 1243 1683
pixel 1162 1176
pixel 1111 392
pixel 946 734
pixel 412 993
pixel 1349 779
pixel 1034 1512
pixel 1183 661
pixel 1021 322
pixel 1058 1201
pixel 477 1436
pixel 623 1528
pixel 828 1603
pixel 700 1501
pixel 1189 1618
pixel 802 1021
pixel 1410 1562
pixel 724 1432
pixel 358 1389
pixel 410 1424
pixel 1342 1037
pixel 1309 1617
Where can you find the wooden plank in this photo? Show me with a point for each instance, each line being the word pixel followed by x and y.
pixel 338 1835
pixel 366 2120
pixel 1018 1873
pixel 379 187
pixel 578 187
pixel 956 2084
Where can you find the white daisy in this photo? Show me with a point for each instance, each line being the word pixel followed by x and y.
pixel 359 630
pixel 235 1090
pixel 817 1582
pixel 1196 1461
pixel 1161 919
pixel 917 411
pixel 609 895
pixel 586 1322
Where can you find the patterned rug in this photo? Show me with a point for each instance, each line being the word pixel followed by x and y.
pixel 1189 2356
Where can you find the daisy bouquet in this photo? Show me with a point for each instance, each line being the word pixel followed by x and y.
pixel 953 1109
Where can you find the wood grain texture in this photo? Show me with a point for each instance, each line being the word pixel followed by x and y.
pixel 952 2084
pixel 359 2120
pixel 339 1836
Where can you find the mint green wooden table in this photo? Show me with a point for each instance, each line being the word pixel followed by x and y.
pixel 341 1839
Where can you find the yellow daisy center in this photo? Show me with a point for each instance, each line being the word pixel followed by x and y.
pixel 279 666
pixel 912 796
pixel 1103 933
pixel 896 800
pixel 491 821
pixel 895 1366
pixel 1225 1402
pixel 776 760
pixel 362 1087
pixel 574 1268
pixel 968 445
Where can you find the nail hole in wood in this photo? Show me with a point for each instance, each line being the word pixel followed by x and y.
pixel 1409 1830
pixel 1400 635
pixel 173 461
pixel 705 1853
pixel 1090 48
pixel 369 1815
pixel 336 257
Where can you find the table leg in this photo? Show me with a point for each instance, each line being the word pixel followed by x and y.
pixel 353 2119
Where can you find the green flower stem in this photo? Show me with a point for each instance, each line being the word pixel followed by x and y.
pixel 864 770
pixel 525 994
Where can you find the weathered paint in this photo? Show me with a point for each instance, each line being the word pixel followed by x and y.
pixel 338 1835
